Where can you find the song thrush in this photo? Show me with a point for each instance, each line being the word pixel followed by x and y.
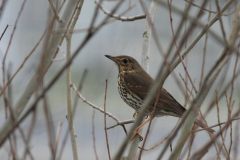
pixel 133 86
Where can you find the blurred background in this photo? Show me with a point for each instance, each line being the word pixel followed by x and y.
pixel 116 38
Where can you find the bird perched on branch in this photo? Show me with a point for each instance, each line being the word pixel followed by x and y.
pixel 133 86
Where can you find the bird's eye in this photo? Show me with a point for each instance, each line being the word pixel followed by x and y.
pixel 125 61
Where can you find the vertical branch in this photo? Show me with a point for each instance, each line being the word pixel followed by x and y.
pixel 205 48
pixel 105 121
pixel 74 111
pixel 69 93
pixel 145 64
pixel 55 11
pixel 48 118
pixel 147 34
pixel 8 104
pixel 186 61
pixel 230 101
pixel 69 103
pixel 93 135
pixel 220 127
pixel 57 138
pixel 29 135
pixel 236 140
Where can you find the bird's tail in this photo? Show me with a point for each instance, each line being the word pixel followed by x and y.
pixel 201 124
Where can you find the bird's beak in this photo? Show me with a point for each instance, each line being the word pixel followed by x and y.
pixel 111 57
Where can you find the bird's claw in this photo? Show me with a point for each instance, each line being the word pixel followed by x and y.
pixel 134 114
pixel 136 133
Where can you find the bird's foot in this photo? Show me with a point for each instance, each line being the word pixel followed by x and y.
pixel 134 114
pixel 136 132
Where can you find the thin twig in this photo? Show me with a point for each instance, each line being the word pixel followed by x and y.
pixel 191 144
pixel 205 47
pixel 74 111
pixel 151 118
pixel 25 140
pixel 185 82
pixel 105 122
pixel 230 101
pixel 210 11
pixel 236 140
pixel 119 17
pixel 49 126
pixel 223 140
pixel 55 11
pixel 87 29
pixel 234 119
pixel 162 140
pixel 30 133
pixel 229 117
pixel 93 135
pixel 102 110
pixel 210 135
pixel 221 22
pixel 234 75
pixel 4 32
pixel 8 104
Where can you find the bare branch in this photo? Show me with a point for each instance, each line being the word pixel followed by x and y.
pixel 69 92
pixel 4 32
pixel 119 17
pixel 100 109
pixel 210 11
pixel 55 11
pixel 162 140
pixel 93 135
pixel 57 137
pixel 105 122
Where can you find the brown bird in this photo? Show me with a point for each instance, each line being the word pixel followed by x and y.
pixel 133 86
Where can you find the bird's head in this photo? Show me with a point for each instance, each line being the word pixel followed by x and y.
pixel 125 63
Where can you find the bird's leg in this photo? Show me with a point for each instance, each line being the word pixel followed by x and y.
pixel 138 129
pixel 134 114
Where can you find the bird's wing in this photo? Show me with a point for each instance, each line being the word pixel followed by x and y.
pixel 168 104
pixel 138 82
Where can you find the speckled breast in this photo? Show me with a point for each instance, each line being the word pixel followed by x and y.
pixel 128 97
pixel 133 100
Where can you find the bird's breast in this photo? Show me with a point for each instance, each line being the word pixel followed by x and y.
pixel 127 96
